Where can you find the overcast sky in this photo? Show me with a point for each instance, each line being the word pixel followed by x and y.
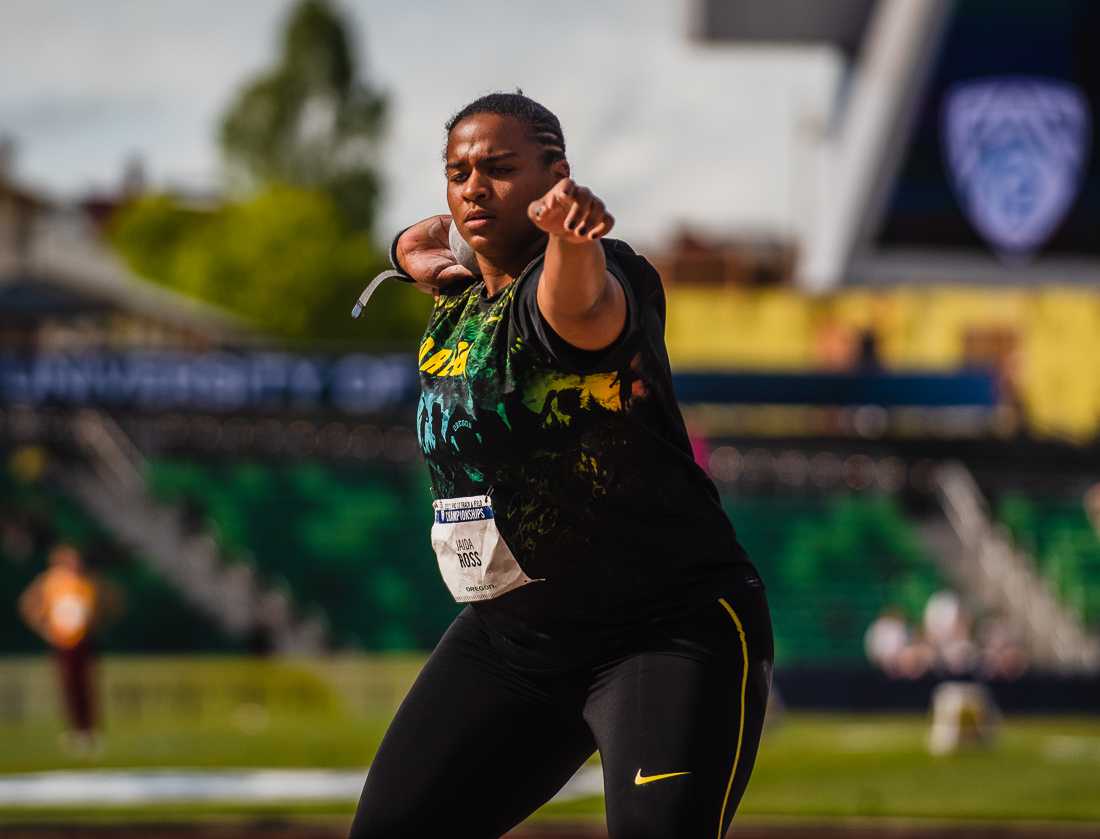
pixel 667 131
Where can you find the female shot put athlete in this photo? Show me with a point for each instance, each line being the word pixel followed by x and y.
pixel 610 604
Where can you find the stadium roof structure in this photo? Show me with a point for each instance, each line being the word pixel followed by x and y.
pixel 52 262
pixel 841 23
pixel 80 273
pixel 960 146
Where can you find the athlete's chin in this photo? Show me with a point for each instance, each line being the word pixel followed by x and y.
pixel 486 242
pixel 499 246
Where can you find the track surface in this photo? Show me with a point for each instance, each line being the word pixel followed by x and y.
pixel 330 830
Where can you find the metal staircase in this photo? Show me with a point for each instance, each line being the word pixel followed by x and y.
pixel 979 557
pixel 113 488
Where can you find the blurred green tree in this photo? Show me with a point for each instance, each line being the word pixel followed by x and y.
pixel 282 260
pixel 292 254
pixel 310 121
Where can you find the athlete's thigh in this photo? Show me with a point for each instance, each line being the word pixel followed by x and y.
pixel 474 747
pixel 678 725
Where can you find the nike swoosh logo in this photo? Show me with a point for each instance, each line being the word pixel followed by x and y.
pixel 640 779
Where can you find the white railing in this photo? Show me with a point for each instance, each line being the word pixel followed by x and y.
pixel 115 491
pixel 1001 577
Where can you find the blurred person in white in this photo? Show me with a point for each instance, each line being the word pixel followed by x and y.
pixel 64 605
pixel 948 642
pixel 947 627
pixel 885 640
pixel 896 647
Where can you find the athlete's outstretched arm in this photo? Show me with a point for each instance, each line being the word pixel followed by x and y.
pixel 580 300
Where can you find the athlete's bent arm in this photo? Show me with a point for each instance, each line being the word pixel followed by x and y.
pixel 423 251
pixel 580 300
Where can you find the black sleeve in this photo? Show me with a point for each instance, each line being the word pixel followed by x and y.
pixel 535 330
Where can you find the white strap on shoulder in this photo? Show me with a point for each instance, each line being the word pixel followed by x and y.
pixel 372 286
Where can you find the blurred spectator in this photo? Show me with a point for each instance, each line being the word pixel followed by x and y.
pixel 868 354
pixel 1003 653
pixel 917 659
pixel 948 642
pixel 65 604
pixel 947 627
pixel 942 616
pixel 885 640
pixel 836 346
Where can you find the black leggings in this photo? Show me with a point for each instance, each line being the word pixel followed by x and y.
pixel 479 744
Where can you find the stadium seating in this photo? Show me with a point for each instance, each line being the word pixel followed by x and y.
pixel 831 565
pixel 351 542
pixel 1057 533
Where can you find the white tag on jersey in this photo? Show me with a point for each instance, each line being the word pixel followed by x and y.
pixel 473 557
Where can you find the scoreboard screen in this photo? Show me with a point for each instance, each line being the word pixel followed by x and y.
pixel 1003 163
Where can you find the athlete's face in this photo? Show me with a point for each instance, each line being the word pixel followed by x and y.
pixel 494 171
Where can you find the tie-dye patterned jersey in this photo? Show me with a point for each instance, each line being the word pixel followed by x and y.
pixel 585 454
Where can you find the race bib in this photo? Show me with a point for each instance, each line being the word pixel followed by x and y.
pixel 475 561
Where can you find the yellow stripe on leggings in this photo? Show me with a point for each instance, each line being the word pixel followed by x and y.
pixel 741 722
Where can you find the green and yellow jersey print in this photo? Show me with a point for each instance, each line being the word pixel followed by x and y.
pixel 584 454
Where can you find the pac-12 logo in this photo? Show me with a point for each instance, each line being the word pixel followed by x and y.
pixel 1017 148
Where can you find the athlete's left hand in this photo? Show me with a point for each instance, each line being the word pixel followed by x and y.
pixel 571 212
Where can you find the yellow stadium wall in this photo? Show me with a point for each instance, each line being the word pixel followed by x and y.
pixel 1055 330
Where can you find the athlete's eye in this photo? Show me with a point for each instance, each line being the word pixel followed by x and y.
pixel 502 170
pixel 458 177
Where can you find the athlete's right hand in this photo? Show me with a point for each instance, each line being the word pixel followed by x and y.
pixel 424 253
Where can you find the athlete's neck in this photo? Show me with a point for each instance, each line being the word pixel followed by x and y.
pixel 499 273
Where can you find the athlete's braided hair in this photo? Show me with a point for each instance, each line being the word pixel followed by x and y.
pixel 543 125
